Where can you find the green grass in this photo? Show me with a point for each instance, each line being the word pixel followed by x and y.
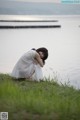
pixel 27 100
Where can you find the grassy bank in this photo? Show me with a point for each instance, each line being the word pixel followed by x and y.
pixel 27 100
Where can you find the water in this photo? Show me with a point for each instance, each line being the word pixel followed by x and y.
pixel 63 45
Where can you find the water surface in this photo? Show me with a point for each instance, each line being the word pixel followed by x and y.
pixel 63 45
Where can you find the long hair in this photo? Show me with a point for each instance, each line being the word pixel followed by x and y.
pixel 45 52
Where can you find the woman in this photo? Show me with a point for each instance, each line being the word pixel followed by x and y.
pixel 29 65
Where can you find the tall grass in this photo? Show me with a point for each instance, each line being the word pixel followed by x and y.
pixel 27 100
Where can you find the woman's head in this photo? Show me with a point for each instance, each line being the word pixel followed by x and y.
pixel 43 53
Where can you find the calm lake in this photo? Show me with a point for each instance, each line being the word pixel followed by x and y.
pixel 63 44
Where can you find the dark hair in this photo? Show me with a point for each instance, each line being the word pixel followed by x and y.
pixel 45 52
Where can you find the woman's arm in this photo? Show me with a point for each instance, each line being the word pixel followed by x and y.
pixel 39 60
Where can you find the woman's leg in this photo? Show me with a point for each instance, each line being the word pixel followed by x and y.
pixel 37 75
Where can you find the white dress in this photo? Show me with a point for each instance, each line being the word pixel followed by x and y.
pixel 27 68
